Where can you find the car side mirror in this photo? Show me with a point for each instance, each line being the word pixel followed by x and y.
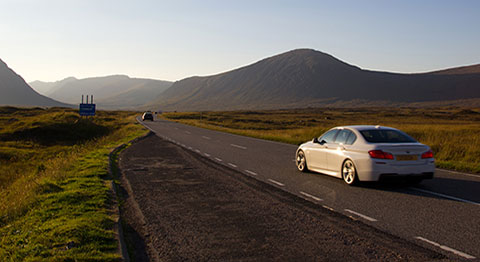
pixel 315 140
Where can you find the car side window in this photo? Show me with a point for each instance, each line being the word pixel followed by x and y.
pixel 351 139
pixel 342 136
pixel 329 136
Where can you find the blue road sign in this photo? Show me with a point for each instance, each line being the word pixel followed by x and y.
pixel 87 109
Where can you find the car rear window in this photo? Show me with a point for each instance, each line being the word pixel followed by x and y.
pixel 386 136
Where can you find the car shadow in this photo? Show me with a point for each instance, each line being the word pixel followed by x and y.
pixel 442 188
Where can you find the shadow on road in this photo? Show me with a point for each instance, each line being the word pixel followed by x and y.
pixel 452 187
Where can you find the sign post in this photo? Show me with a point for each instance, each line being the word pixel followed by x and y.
pixel 87 109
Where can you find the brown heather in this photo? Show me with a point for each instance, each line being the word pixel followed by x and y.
pixel 452 133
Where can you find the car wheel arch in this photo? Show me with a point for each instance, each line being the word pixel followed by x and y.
pixel 357 177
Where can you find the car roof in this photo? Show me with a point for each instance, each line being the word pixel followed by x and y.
pixel 367 127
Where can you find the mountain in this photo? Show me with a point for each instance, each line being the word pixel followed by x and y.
pixel 14 91
pixel 46 88
pixel 473 69
pixel 111 92
pixel 309 78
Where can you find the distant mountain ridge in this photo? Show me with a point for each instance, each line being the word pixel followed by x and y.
pixel 46 88
pixel 110 92
pixel 14 91
pixel 309 78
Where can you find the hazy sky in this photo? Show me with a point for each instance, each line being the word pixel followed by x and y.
pixel 52 39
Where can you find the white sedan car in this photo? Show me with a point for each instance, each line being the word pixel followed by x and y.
pixel 366 153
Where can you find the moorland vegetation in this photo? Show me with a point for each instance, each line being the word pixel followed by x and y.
pixel 453 133
pixel 55 197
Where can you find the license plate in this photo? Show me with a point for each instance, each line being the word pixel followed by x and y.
pixel 406 157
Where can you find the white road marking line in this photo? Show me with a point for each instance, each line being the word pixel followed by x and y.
pixel 188 132
pixel 207 155
pixel 198 151
pixel 445 196
pixel 237 146
pixel 190 148
pixel 449 249
pixel 276 182
pixel 327 207
pixel 460 173
pixel 251 172
pixel 218 159
pixel 149 128
pixel 183 145
pixel 361 215
pixel 311 196
pixel 232 165
pixel 176 128
pixel 206 137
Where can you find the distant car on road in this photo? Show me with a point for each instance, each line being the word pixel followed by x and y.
pixel 147 116
pixel 366 153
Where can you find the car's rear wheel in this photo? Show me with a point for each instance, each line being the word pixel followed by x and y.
pixel 349 172
pixel 301 161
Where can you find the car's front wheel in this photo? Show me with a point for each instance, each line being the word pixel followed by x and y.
pixel 349 172
pixel 301 161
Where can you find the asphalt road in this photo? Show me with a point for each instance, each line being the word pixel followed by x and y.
pixel 442 214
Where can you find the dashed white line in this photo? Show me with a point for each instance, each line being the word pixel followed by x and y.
pixel 206 154
pixel 188 132
pixel 449 249
pixel 327 207
pixel 361 215
pixel 237 146
pixel 232 165
pixel 251 173
pixel 206 137
pixel 218 159
pixel 190 148
pixel 445 196
pixel 311 196
pixel 198 151
pixel 276 182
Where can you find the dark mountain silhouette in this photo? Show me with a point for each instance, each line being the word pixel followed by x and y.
pixel 112 92
pixel 473 69
pixel 309 78
pixel 14 91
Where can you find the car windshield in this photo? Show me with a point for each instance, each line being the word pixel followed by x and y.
pixel 386 136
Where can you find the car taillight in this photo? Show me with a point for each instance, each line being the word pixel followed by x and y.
pixel 380 154
pixel 428 154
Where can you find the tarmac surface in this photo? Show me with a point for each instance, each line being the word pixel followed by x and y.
pixel 180 206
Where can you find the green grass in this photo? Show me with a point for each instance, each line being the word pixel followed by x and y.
pixel 453 133
pixel 55 200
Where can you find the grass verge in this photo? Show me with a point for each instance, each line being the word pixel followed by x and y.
pixel 452 133
pixel 55 200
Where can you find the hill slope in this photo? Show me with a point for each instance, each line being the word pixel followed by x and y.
pixel 305 77
pixel 117 91
pixel 16 92
pixel 46 88
pixel 463 70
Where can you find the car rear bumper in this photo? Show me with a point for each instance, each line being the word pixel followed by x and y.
pixel 377 172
